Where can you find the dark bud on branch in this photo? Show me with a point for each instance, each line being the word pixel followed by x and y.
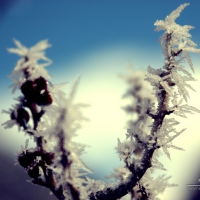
pixel 36 91
pixel 29 90
pixel 44 98
pixel 41 83
pixel 29 161
pixel 21 116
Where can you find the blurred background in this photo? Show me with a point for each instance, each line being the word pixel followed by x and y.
pixel 96 40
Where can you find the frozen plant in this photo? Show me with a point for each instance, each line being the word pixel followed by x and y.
pixel 176 45
pixel 137 90
pixel 55 161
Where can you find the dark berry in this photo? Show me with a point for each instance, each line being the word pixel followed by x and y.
pixel 28 161
pixel 13 115
pixel 29 90
pixel 41 83
pixel 36 91
pixel 21 116
pixel 44 98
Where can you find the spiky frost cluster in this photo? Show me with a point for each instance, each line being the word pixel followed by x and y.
pixel 29 62
pixel 56 119
pixel 171 89
pixel 169 83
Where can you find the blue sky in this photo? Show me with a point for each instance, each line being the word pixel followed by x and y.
pixel 92 38
pixel 77 28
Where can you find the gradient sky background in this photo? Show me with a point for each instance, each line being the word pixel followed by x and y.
pixel 97 39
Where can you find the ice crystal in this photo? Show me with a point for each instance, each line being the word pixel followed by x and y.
pixel 181 110
pixel 169 23
pixel 154 187
pixel 63 105
pixel 124 152
pixel 164 137
pixel 136 131
pixel 11 122
pixel 181 84
pixel 146 106
pixel 120 174
pixel 179 36
pixel 156 163
pixel 94 185
pixel 29 62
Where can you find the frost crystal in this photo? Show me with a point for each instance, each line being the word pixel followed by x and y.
pixel 29 62
pixel 178 35
pixel 136 131
pixel 154 187
pixel 121 174
pixel 94 185
pixel 146 106
pixel 164 137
